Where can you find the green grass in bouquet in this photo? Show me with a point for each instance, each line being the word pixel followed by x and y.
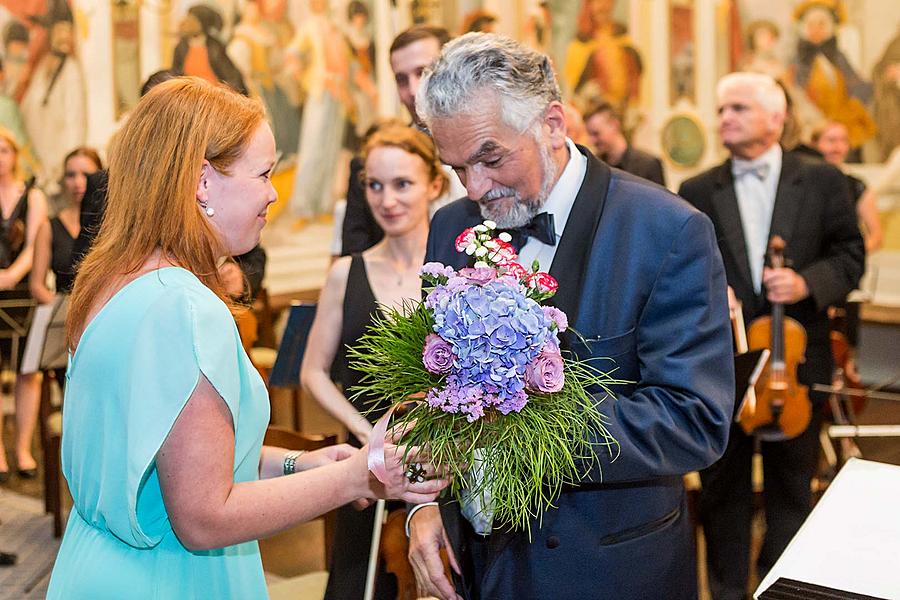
pixel 495 392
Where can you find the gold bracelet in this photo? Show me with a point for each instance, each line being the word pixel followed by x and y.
pixel 290 460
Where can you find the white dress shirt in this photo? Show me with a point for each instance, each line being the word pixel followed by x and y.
pixel 756 201
pixel 559 204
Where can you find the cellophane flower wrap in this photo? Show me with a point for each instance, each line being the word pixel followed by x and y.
pixel 481 356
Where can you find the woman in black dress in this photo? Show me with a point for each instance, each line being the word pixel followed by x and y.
pixel 55 238
pixel 402 176
pixel 23 210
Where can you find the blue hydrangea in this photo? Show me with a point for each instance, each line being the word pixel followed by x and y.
pixel 495 331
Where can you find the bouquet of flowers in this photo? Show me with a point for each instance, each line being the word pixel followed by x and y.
pixel 501 409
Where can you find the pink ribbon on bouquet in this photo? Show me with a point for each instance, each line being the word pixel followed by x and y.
pixel 376 446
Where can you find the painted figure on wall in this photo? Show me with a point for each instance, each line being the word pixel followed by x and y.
pixel 601 61
pixel 762 50
pixel 256 49
pixel 16 54
pixel 364 91
pixel 886 77
pixel 54 104
pixel 323 60
pixel 538 29
pixel 681 53
pixel 200 52
pixel 11 120
pixel 825 74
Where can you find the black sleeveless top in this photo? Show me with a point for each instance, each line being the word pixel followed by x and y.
pixel 61 257
pixel 359 309
pixel 12 230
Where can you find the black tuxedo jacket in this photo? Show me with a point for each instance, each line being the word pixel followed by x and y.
pixel 643 164
pixel 641 280
pixel 815 216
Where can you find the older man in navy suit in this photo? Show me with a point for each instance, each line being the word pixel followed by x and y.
pixel 643 284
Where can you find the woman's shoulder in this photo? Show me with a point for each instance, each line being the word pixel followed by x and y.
pixel 339 271
pixel 168 290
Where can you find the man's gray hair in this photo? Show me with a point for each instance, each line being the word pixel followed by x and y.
pixel 481 64
pixel 766 90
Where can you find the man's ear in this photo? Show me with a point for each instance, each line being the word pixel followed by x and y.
pixel 206 171
pixel 555 120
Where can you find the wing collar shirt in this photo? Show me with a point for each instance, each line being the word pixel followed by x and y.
pixel 756 184
pixel 559 204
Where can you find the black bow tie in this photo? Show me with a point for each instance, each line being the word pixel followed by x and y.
pixel 540 227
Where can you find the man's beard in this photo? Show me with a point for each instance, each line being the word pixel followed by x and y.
pixel 522 210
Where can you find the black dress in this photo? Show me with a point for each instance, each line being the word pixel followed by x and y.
pixel 62 259
pixel 353 528
pixel 12 242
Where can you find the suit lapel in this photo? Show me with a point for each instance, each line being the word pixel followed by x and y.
pixel 787 200
pixel 731 228
pixel 570 261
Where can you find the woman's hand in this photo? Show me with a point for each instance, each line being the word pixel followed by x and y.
pixel 398 484
pixel 324 456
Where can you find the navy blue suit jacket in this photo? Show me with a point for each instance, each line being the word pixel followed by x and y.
pixel 641 279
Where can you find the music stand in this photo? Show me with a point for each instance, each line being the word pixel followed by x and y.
pixel 285 372
pixel 747 369
pixel 848 546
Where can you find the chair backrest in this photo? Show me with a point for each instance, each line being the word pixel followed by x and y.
pixel 286 370
pixel 294 440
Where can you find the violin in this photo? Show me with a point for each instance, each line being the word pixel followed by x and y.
pixel 782 409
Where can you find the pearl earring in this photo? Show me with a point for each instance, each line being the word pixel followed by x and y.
pixel 209 210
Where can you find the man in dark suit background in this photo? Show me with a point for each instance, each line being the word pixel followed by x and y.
pixel 641 280
pixel 604 128
pixel 759 192
pixel 411 52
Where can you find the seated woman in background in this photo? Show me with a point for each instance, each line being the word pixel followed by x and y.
pixel 401 176
pixel 55 238
pixel 54 242
pixel 23 209
pixel 165 415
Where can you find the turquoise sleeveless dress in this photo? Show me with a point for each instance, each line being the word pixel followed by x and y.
pixel 135 367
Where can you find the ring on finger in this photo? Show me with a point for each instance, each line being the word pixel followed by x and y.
pixel 415 473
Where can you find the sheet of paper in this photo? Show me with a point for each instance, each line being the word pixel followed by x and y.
pixel 34 344
pixel 851 541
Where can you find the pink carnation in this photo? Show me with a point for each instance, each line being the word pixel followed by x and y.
pixel 464 239
pixel 504 254
pixel 543 282
pixel 516 270
pixel 557 316
pixel 437 356
pixel 545 373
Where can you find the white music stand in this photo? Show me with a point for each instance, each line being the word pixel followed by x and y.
pixel 850 542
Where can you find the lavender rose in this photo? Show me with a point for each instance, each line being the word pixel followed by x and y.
pixel 478 276
pixel 545 373
pixel 437 355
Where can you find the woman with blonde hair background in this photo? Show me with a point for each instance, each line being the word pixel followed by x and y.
pixel 165 415
pixel 23 209
pixel 402 176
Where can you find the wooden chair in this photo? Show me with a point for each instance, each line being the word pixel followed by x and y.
pixel 294 440
pixel 50 419
pixel 265 316
pixel 284 368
